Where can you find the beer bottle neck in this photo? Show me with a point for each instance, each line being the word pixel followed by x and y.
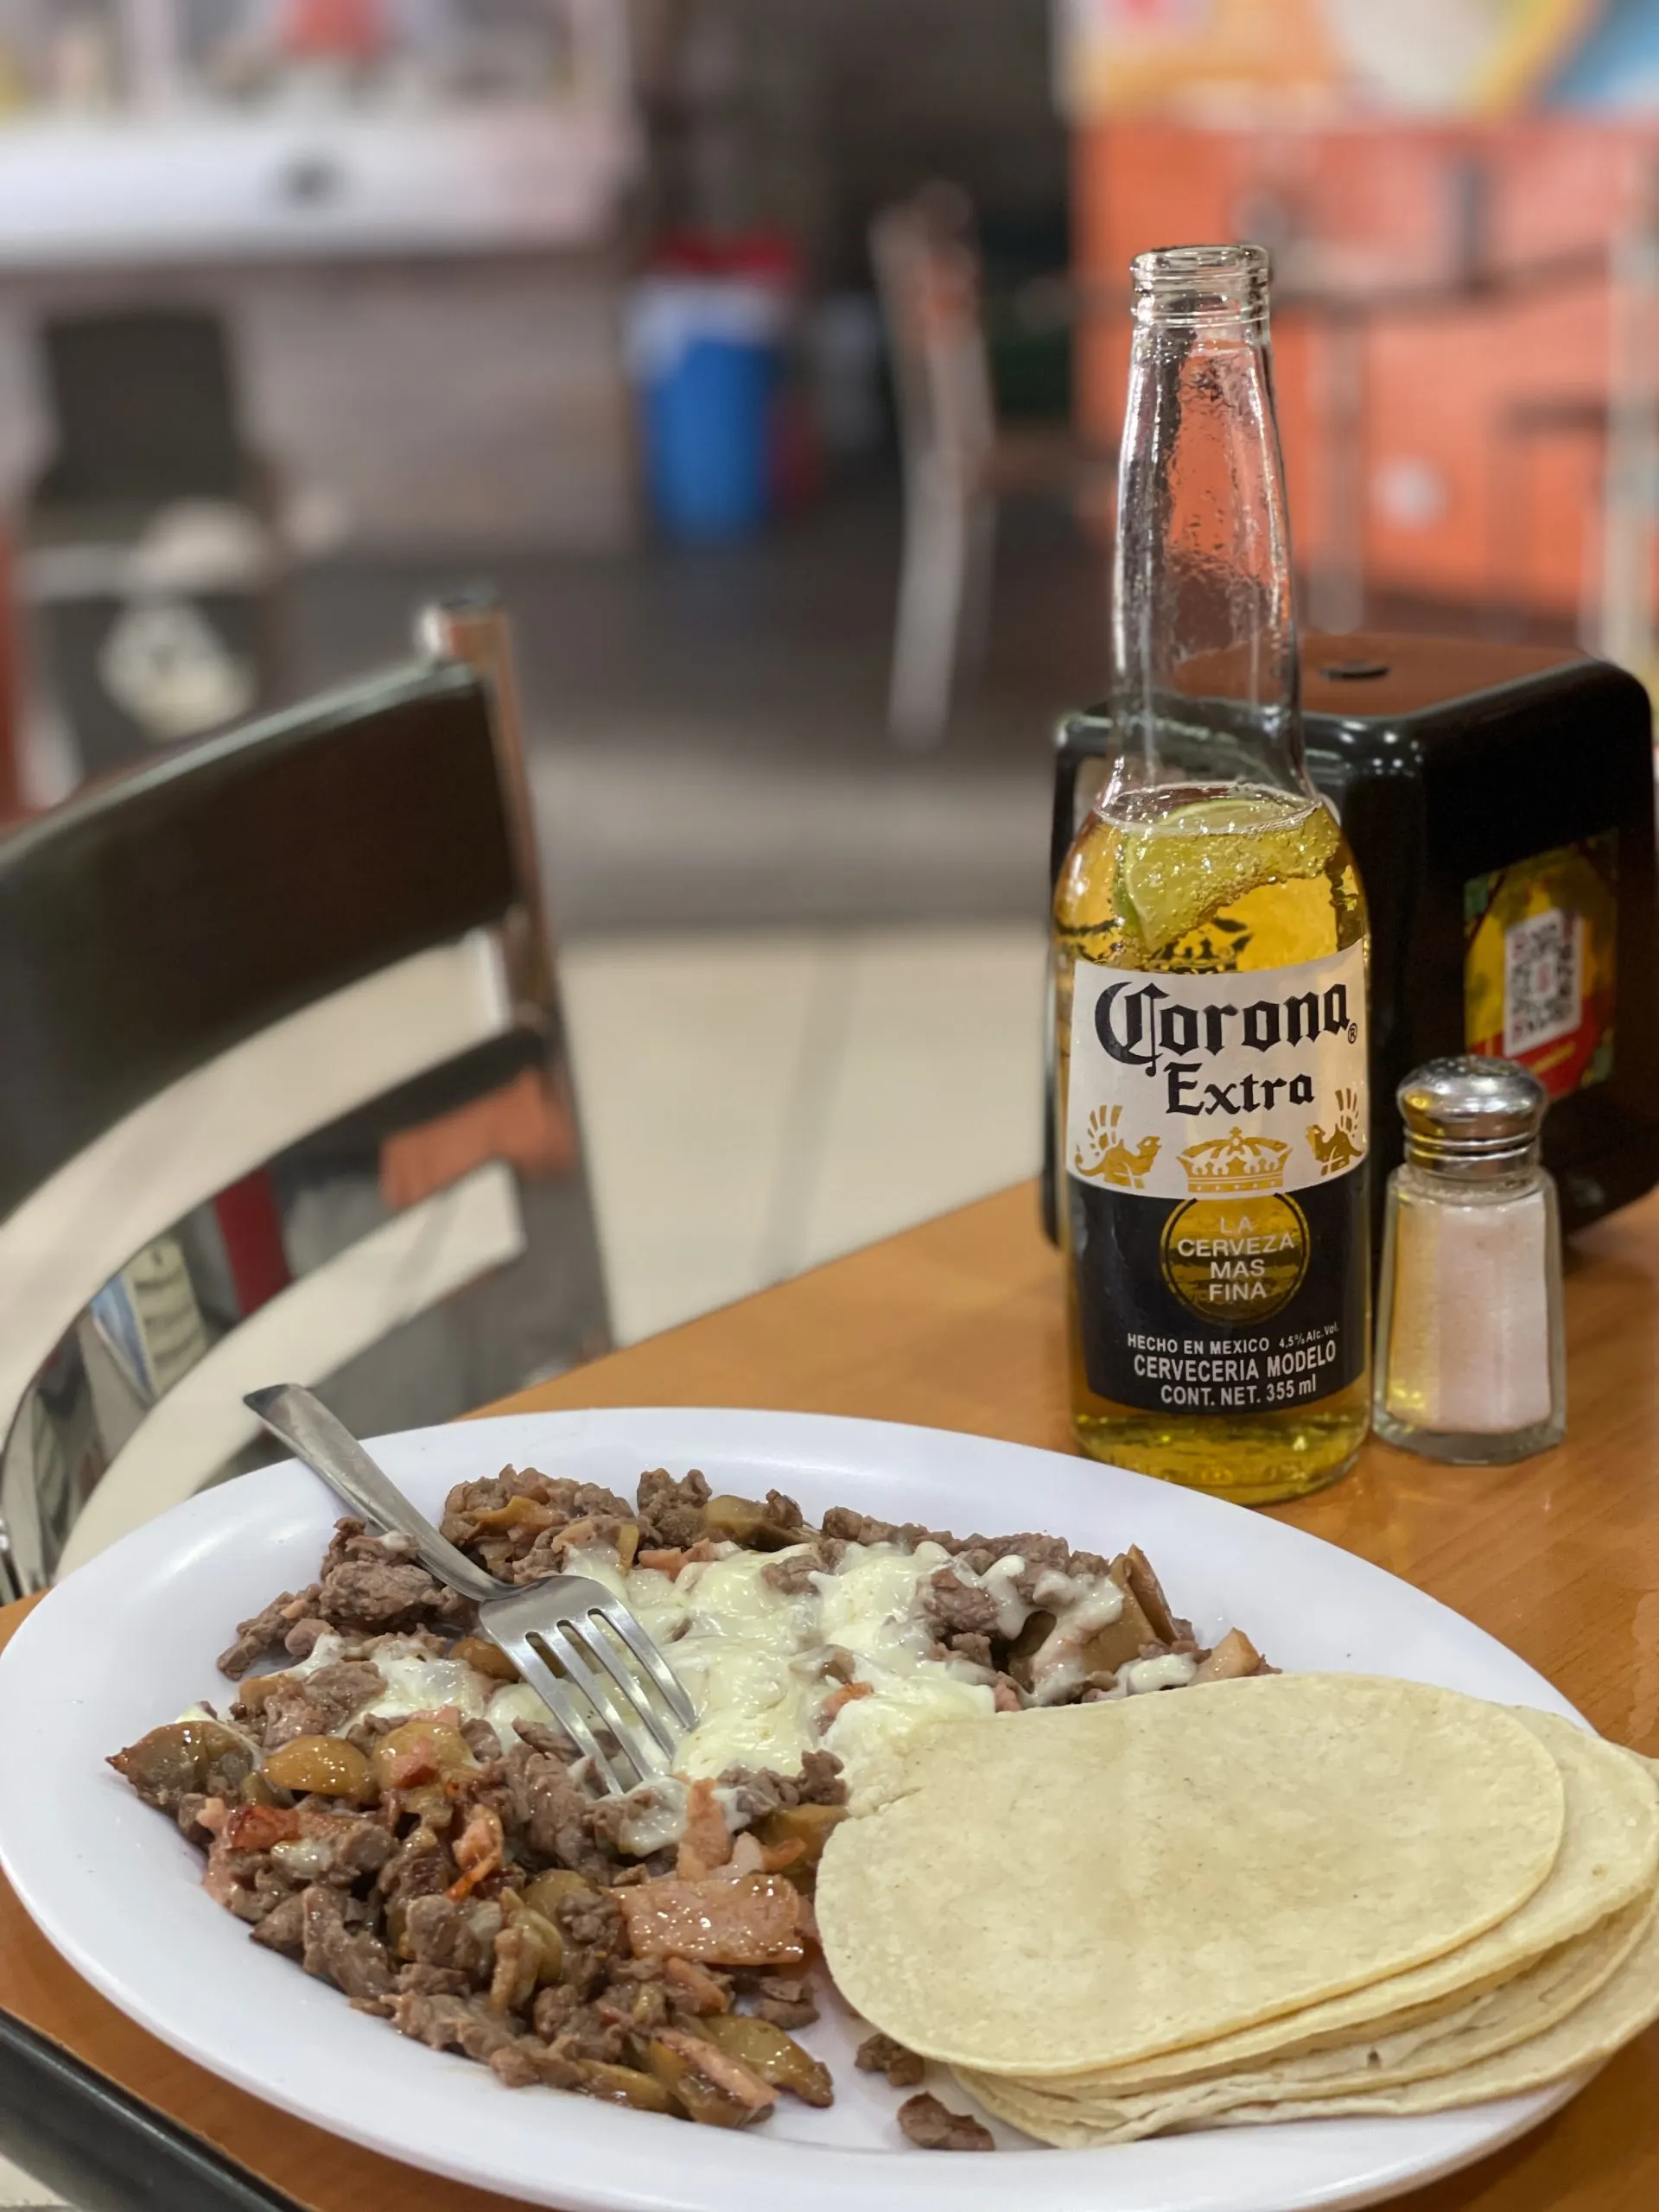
pixel 1205 671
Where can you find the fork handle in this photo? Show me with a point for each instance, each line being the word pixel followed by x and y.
pixel 312 1433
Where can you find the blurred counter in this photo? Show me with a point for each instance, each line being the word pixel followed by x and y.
pixel 165 190
pixel 424 306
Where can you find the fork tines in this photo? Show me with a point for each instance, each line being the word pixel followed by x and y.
pixel 604 1682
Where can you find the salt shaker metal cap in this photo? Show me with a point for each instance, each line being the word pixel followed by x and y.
pixel 1471 1117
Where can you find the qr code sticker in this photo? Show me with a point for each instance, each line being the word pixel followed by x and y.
pixel 1543 980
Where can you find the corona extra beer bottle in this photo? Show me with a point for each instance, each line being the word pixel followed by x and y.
pixel 1210 955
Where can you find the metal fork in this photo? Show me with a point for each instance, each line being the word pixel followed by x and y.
pixel 555 1623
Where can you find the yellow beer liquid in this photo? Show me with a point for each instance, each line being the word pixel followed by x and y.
pixel 1191 882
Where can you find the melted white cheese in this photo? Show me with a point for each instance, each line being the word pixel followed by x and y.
pixel 1172 1672
pixel 735 1652
pixel 870 1606
pixel 753 1659
pixel 997 1581
pixel 415 1681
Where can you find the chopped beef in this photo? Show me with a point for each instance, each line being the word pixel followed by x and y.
pixel 952 1607
pixel 266 1631
pixel 482 1741
pixel 609 1818
pixel 879 2053
pixel 353 1959
pixel 820 1781
pixel 792 1575
pixel 637 2008
pixel 695 1989
pixel 555 2011
pixel 671 1513
pixel 468 1502
pixel 932 2126
pixel 519 1524
pixel 977 1650
pixel 756 1790
pixel 438 1932
pixel 551 1742
pixel 591 1923
pixel 336 1847
pixel 852 1528
pixel 304 1636
pixel 783 1512
pixel 786 2000
pixel 548 1551
pixel 421 1867
pixel 462 2024
pixel 377 1596
pixel 545 1810
pixel 283 1927
pixel 434 1981
pixel 1038 1552
pixel 319 1704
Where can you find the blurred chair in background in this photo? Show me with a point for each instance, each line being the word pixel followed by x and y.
pixel 151 551
pixel 958 461
pixel 284 1093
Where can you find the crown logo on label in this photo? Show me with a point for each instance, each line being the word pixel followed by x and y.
pixel 1234 1162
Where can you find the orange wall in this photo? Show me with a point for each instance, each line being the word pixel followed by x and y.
pixel 1495 516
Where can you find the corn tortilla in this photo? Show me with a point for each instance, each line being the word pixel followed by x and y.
pixel 1058 1891
pixel 1608 1859
pixel 1622 2008
pixel 1549 1992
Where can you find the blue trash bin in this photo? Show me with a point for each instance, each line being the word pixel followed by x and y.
pixel 704 356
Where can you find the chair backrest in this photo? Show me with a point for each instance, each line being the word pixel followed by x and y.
pixel 282 1093
pixel 929 273
pixel 144 404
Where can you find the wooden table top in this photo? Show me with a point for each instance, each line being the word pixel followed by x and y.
pixel 958 1324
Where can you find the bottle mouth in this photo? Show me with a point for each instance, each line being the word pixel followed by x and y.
pixel 1190 287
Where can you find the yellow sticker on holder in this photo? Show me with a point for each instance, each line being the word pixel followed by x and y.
pixel 1538 979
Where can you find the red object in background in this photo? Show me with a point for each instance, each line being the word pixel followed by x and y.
pixel 766 257
pixel 252 1231
pixel 347 30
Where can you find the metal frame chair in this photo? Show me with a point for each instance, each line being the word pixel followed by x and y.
pixel 959 461
pixel 283 1088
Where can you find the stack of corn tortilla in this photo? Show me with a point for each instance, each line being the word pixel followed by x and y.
pixel 1286 1897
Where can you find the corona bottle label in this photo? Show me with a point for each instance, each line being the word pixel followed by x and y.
pixel 1216 1132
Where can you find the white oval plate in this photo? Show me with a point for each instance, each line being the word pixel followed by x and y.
pixel 129 1640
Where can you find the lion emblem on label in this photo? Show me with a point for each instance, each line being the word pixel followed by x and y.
pixel 1345 1145
pixel 1115 1161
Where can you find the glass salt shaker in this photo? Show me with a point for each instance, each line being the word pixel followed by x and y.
pixel 1470 1360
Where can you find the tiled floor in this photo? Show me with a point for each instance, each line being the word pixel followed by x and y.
pixel 16 2189
pixel 755 1102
